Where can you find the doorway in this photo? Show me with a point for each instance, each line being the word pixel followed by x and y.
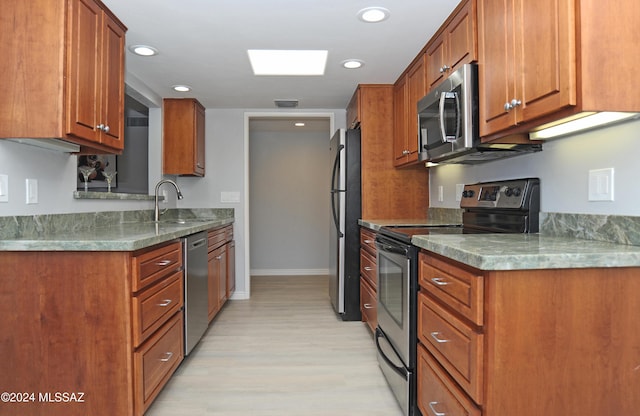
pixel 287 194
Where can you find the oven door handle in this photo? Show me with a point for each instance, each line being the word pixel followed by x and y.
pixel 400 370
pixel 390 246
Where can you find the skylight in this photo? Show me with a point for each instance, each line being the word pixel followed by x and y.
pixel 288 62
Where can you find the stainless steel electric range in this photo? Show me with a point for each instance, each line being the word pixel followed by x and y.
pixel 510 206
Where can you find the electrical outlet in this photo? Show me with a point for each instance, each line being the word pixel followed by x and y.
pixel 4 188
pixel 32 191
pixel 459 190
pixel 601 184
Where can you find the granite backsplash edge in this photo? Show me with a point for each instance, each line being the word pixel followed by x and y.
pixel 34 226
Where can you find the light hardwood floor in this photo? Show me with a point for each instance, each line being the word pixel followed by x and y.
pixel 283 352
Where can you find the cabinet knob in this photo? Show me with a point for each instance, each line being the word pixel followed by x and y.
pixel 406 152
pixel 515 103
pixel 103 127
pixel 508 107
pixel 444 69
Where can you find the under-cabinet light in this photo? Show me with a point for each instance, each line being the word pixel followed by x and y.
pixel 586 121
pixel 56 145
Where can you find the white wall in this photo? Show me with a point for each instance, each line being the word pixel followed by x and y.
pixel 563 168
pixel 289 203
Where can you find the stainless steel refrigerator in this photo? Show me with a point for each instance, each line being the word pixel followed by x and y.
pixel 344 254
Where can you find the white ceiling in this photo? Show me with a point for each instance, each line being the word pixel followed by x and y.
pixel 204 43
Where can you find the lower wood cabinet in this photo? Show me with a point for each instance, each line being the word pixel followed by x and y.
pixel 221 266
pixel 105 324
pixel 551 342
pixel 368 279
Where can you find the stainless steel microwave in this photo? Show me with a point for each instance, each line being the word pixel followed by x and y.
pixel 448 121
pixel 448 116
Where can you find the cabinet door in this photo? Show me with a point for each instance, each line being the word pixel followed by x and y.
pixel 183 137
pixel 496 69
pixel 400 121
pixel 461 37
pixel 545 57
pixel 83 66
pixel 199 138
pixel 231 268
pixel 435 61
pixel 216 265
pixel 417 90
pixel 113 84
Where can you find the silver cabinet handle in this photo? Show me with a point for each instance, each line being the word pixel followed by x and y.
pixel 436 413
pixel 165 302
pixel 439 281
pixel 434 335
pixel 106 129
pixel 367 268
pixel 218 257
pixel 368 241
pixel 167 355
pixel 368 306
pixel 163 263
pixel 406 152
pixel 515 103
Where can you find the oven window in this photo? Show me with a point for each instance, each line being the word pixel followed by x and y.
pixel 391 285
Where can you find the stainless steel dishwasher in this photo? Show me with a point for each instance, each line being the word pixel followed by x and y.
pixel 196 289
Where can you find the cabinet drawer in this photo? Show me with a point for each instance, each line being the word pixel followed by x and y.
pixel 437 394
pixel 153 265
pixel 368 241
pixel 455 344
pixel 368 268
pixel 368 305
pixel 154 306
pixel 216 238
pixel 228 233
pixel 458 288
pixel 156 361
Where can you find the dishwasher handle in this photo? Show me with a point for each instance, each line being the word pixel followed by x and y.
pixel 196 244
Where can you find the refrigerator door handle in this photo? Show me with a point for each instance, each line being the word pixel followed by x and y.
pixel 335 191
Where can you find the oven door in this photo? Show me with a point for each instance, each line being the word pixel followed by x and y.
pixel 393 262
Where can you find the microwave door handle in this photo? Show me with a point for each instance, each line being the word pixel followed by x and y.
pixel 458 114
pixel 443 133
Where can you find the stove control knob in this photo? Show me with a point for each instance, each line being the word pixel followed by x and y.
pixel 468 194
pixel 516 191
pixel 508 192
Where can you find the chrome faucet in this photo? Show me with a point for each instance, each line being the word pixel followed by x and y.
pixel 156 213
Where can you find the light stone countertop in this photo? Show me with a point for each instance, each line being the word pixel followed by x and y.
pixel 118 237
pixel 105 231
pixel 528 251
pixel 375 225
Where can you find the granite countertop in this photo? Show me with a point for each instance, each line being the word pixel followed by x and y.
pixel 375 225
pixel 529 251
pixel 128 234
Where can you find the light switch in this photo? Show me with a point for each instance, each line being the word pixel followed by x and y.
pixel 601 184
pixel 4 188
pixel 32 191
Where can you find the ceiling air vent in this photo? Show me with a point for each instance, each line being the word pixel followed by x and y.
pixel 286 103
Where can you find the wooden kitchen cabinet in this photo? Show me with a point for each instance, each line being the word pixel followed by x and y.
pixel 353 111
pixel 387 192
pixel 91 322
pixel 183 145
pixel 231 261
pixel 554 63
pixel 454 45
pixel 368 278
pixel 65 59
pixel 541 342
pixel 407 91
pixel 219 274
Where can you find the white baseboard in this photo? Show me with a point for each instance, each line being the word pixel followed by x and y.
pixel 239 295
pixel 289 272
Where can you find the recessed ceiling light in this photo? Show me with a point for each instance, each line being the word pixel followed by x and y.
pixel 373 14
pixel 287 62
pixel 181 88
pixel 352 63
pixel 299 124
pixel 143 50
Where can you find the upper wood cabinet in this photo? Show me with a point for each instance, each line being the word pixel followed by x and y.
pixel 408 90
pixel 183 138
pixel 65 60
pixel 387 192
pixel 555 62
pixel 353 111
pixel 455 44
